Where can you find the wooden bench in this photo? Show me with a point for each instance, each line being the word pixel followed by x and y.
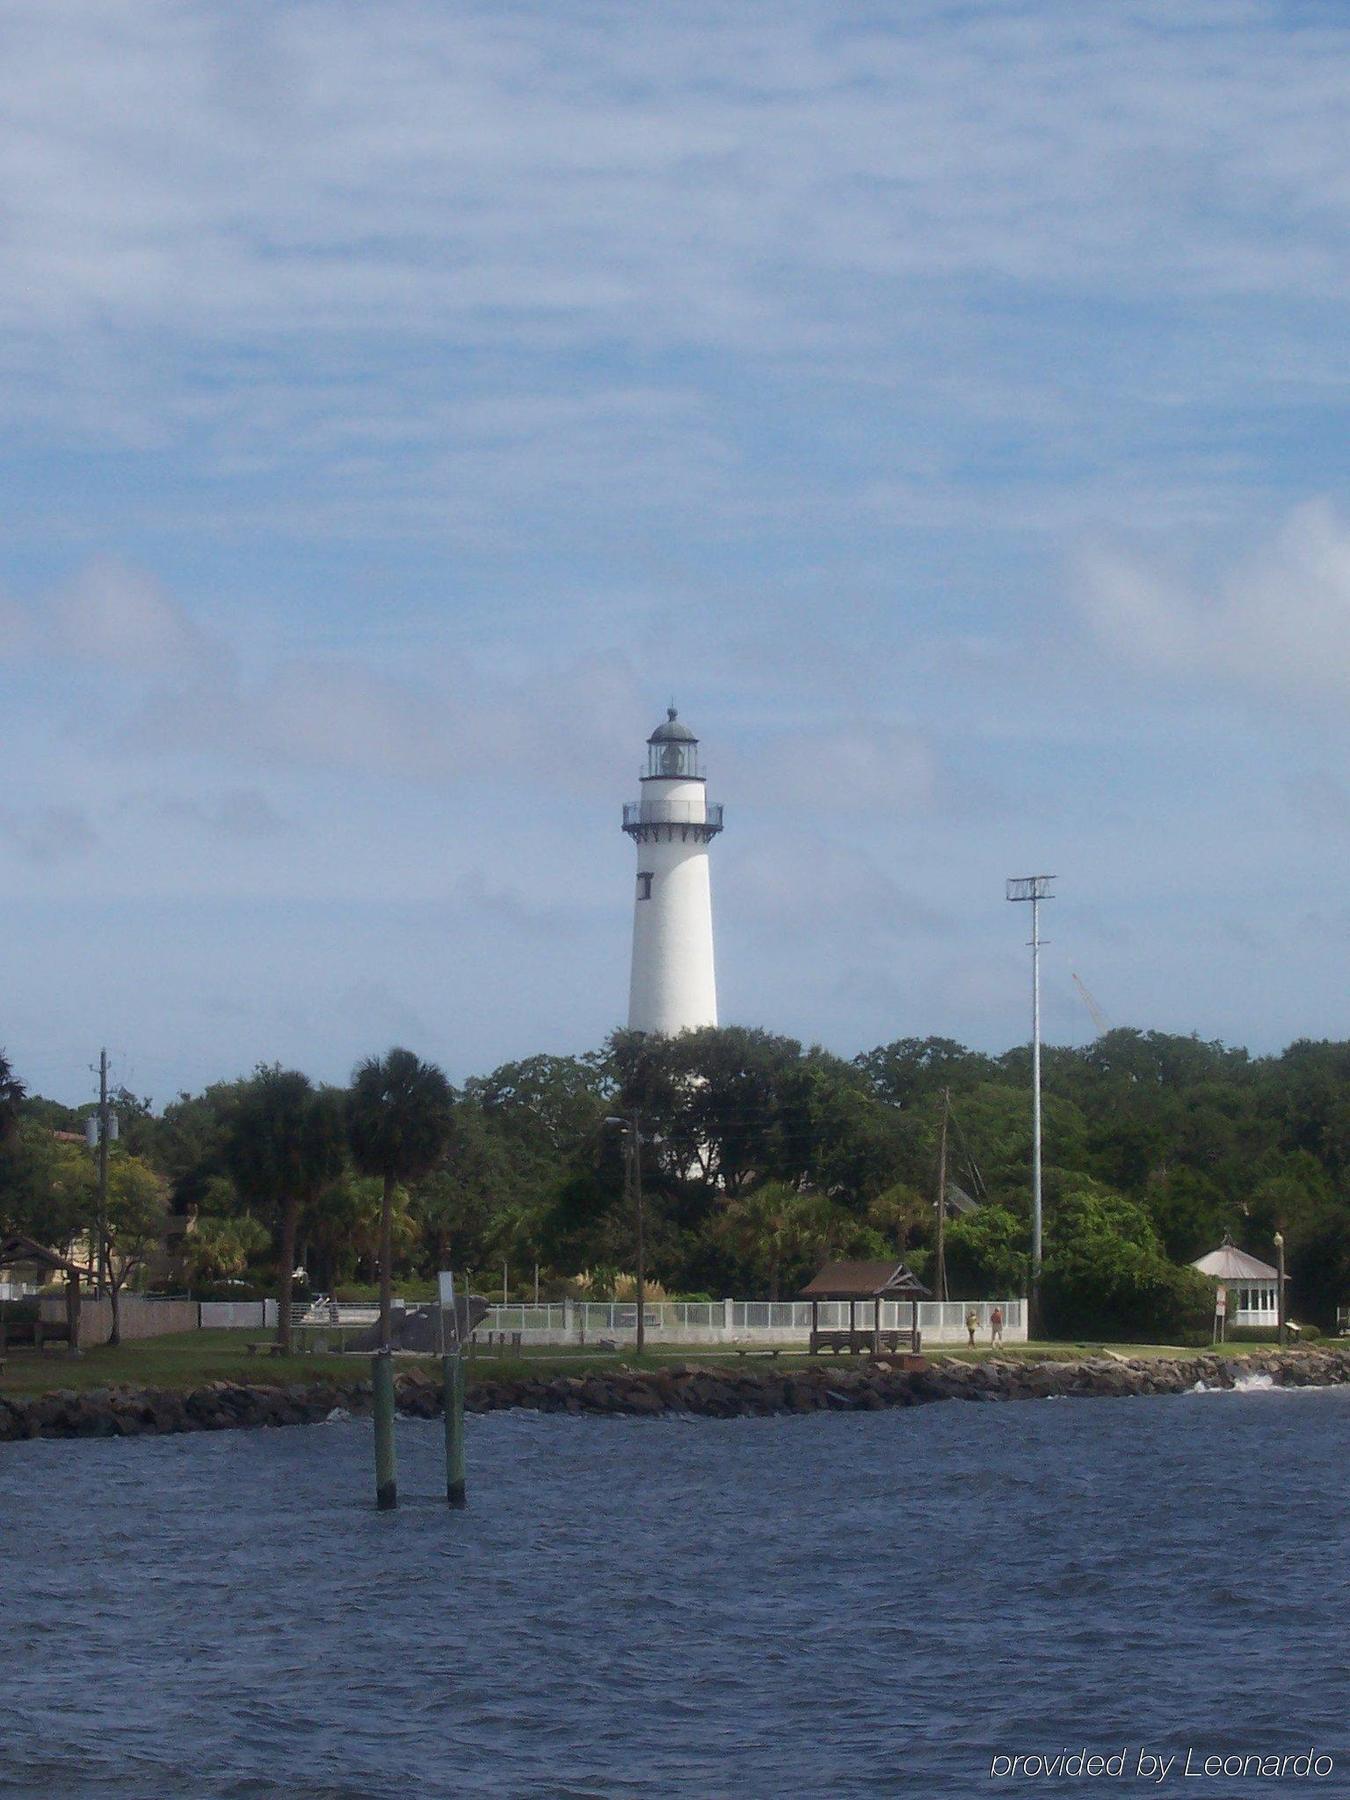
pixel 861 1343
pixel 37 1332
pixel 268 1347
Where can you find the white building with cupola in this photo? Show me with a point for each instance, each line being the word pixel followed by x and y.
pixel 673 986
pixel 1251 1287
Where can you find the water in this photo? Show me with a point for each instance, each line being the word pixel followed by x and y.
pixel 844 1604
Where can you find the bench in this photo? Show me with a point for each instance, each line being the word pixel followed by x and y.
pixel 36 1332
pixel 861 1343
pixel 268 1347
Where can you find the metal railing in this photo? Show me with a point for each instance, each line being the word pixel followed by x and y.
pixel 336 1312
pixel 685 812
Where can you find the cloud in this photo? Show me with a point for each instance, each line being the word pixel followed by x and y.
pixel 240 814
pixel 868 765
pixel 18 632
pixel 821 890
pixel 770 184
pixel 566 727
pixel 1278 622
pixel 121 618
pixel 46 835
pixel 1321 801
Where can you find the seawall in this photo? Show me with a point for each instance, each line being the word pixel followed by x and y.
pixel 704 1390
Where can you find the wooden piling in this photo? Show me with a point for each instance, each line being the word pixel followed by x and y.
pixel 386 1469
pixel 452 1388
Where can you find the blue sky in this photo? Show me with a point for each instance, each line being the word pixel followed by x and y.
pixel 945 403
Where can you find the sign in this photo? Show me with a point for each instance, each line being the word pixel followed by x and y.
pixel 445 1284
pixel 1221 1301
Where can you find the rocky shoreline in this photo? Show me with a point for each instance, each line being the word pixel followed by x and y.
pixel 683 1389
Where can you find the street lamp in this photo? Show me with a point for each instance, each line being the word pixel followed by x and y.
pixel 1279 1289
pixel 633 1185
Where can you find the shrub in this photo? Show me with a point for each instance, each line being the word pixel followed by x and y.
pixel 1269 1334
pixel 986 1253
pixel 1106 1275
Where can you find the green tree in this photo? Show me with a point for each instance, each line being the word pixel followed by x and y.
pixel 12 1096
pixel 46 1187
pixel 286 1145
pixel 779 1235
pixel 221 1248
pixel 134 1226
pixel 399 1115
pixel 344 1231
pixel 1105 1274
pixel 987 1254
pixel 191 1144
pixel 912 1070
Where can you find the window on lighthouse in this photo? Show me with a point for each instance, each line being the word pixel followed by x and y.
pixel 644 885
pixel 672 760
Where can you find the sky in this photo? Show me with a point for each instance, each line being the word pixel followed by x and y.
pixel 945 404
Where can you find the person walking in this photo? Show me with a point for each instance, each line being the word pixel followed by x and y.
pixel 972 1324
pixel 996 1326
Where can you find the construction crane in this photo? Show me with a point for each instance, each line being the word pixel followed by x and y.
pixel 1099 1018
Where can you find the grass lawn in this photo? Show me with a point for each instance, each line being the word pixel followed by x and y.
pixel 182 1360
pixel 189 1359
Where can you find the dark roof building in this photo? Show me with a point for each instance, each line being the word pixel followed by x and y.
pixel 865 1281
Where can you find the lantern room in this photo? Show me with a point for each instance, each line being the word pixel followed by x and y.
pixel 672 752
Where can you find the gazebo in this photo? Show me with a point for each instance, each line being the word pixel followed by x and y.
pixel 17 1249
pixel 865 1281
pixel 1253 1285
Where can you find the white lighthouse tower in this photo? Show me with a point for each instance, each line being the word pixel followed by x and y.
pixel 673 988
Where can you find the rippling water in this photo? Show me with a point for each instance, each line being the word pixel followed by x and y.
pixel 835 1605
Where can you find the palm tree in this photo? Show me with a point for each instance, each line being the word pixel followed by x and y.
pixel 12 1096
pixel 399 1115
pixel 775 1229
pixel 286 1145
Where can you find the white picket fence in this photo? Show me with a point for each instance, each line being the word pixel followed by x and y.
pixel 237 1315
pixel 743 1321
pixel 747 1322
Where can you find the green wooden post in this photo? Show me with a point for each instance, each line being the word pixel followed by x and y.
pixel 386 1469
pixel 452 1388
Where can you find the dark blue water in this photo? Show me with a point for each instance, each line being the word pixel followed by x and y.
pixel 844 1604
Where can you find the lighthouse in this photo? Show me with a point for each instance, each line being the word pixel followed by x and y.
pixel 672 988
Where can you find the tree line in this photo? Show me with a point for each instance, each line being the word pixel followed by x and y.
pixel 760 1159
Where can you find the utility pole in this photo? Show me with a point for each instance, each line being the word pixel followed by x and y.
pixel 1034 888
pixel 942 1198
pixel 1281 1314
pixel 101 1228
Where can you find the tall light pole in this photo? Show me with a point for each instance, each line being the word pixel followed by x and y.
pixel 1279 1291
pixel 1034 888
pixel 632 1130
pixel 941 1281
pixel 99 1129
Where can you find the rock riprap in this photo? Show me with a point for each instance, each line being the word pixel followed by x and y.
pixel 707 1390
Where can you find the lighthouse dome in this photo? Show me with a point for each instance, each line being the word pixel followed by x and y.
pixel 671 731
pixel 672 752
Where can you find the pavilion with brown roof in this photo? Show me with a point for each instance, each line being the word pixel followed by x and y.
pixel 16 1250
pixel 865 1281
